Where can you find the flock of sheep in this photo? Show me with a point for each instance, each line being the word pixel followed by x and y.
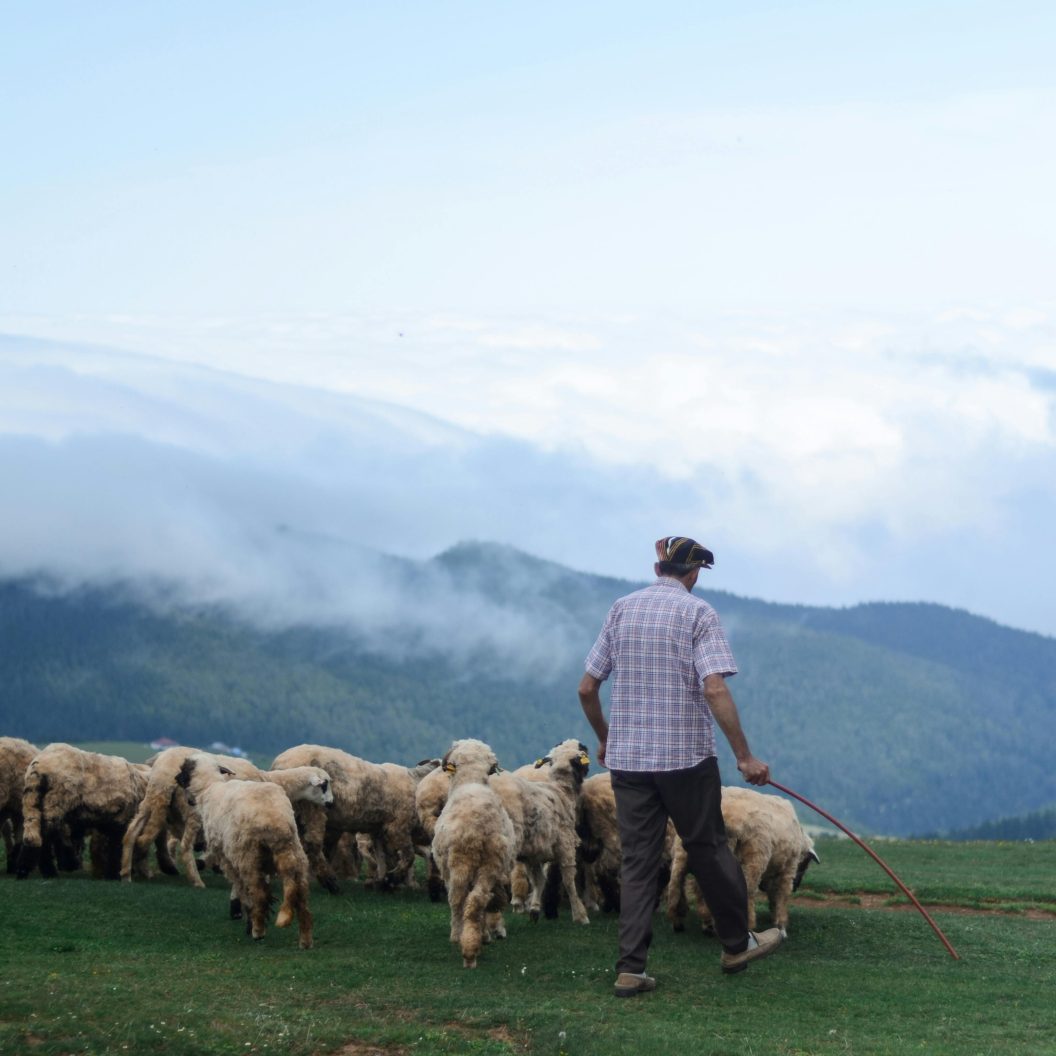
pixel 492 838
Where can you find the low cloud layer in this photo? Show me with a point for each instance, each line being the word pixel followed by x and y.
pixel 824 467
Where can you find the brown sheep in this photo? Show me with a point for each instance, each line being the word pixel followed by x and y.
pixel 474 845
pixel 372 798
pixel 250 828
pixel 65 786
pixel 15 756
pixel 769 842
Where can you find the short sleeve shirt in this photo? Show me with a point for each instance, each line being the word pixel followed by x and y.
pixel 660 644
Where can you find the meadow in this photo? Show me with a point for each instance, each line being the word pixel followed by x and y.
pixel 91 966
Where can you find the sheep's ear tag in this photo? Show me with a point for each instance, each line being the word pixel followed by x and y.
pixel 584 760
pixel 449 768
pixel 539 763
pixel 229 773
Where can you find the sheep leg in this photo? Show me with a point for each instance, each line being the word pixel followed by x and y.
pixel 567 860
pixel 473 913
pixel 457 892
pixel 520 888
pixel 191 830
pixel 676 890
pixel 294 872
pixel 311 823
pixel 260 897
pixel 537 880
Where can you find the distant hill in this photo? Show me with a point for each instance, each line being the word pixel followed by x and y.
pixel 897 718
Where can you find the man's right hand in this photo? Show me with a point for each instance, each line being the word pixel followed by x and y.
pixel 754 771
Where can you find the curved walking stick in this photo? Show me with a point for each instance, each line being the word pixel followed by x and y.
pixel 883 865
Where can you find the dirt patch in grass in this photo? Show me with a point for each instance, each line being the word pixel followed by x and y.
pixel 368 1048
pixel 864 900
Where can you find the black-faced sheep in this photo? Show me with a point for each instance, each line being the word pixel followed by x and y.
pixel 372 798
pixel 15 756
pixel 68 788
pixel 250 829
pixel 544 817
pixel 474 846
pixel 769 842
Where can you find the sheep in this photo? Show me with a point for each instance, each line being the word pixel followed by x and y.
pixel 372 798
pixel 63 786
pixel 474 844
pixel 769 842
pixel 543 813
pixel 600 846
pixel 164 809
pixel 250 828
pixel 15 756
pixel 600 853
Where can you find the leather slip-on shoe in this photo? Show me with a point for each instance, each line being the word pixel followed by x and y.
pixel 766 942
pixel 629 985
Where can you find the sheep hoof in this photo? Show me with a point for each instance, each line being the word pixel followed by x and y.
pixel 236 908
pixel 469 962
pixel 533 915
pixel 284 917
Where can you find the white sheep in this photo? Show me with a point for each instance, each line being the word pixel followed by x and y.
pixel 543 813
pixel 84 791
pixel 250 829
pixel 15 756
pixel 163 811
pixel 474 845
pixel 772 847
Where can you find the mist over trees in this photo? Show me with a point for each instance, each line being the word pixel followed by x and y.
pixel 897 718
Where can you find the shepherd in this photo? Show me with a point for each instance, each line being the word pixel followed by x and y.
pixel 669 658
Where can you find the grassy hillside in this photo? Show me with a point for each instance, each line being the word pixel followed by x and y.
pixel 109 969
pixel 899 719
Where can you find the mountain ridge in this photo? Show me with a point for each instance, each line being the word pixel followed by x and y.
pixel 899 718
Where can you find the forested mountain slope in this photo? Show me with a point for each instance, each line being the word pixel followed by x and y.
pixel 898 718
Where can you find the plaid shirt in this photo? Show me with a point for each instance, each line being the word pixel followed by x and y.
pixel 662 642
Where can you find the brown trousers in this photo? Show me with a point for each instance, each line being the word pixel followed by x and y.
pixel 692 799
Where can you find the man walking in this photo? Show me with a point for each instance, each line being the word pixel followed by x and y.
pixel 670 660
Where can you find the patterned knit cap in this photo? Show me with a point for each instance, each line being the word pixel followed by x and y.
pixel 680 550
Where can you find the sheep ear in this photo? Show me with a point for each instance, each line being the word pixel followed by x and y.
pixel 540 762
pixel 493 770
pixel 814 855
pixel 227 773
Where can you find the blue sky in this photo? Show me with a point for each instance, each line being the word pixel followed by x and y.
pixel 779 277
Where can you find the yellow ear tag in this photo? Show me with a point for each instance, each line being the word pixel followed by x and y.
pixel 539 763
pixel 584 760
pixel 449 768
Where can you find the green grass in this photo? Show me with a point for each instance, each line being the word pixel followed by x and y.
pixel 106 968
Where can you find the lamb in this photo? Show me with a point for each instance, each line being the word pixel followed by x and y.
pixel 250 828
pixel 769 842
pixel 65 786
pixel 164 809
pixel 372 798
pixel 15 756
pixel 474 845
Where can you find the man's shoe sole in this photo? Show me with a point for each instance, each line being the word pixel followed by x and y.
pixel 754 955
